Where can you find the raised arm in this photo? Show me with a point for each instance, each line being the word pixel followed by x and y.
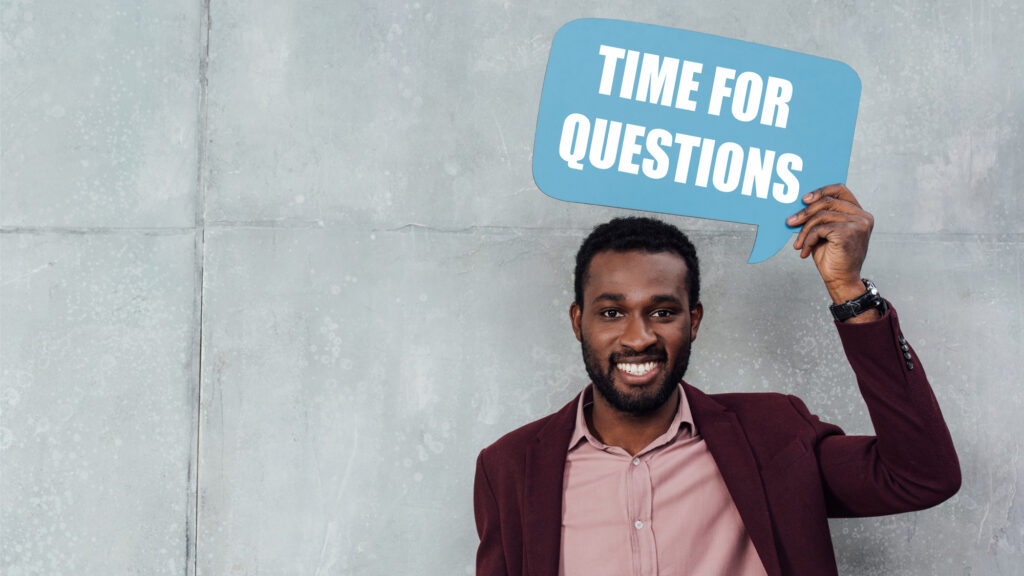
pixel 910 463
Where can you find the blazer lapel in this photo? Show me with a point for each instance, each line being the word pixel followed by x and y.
pixel 730 448
pixel 545 470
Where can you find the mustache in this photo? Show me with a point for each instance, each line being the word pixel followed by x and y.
pixel 649 354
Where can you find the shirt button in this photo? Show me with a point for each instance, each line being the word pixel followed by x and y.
pixel 639 525
pixel 636 461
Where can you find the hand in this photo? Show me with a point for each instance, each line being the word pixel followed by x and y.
pixel 835 231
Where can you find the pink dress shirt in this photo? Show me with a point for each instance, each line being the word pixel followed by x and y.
pixel 664 512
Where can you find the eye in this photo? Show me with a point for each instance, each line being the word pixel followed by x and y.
pixel 611 313
pixel 663 313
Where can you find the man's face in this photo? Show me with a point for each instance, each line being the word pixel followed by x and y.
pixel 635 327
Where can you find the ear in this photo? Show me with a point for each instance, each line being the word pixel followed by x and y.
pixel 576 317
pixel 696 315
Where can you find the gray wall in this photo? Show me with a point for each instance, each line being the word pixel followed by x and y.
pixel 274 272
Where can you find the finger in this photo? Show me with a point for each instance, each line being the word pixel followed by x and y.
pixel 861 220
pixel 838 191
pixel 820 233
pixel 818 219
pixel 840 233
pixel 824 202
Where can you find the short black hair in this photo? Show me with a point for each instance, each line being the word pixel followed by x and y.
pixel 644 235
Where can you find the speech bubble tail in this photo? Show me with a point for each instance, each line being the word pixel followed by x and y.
pixel 770 239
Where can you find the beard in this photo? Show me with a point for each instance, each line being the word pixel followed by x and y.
pixel 639 402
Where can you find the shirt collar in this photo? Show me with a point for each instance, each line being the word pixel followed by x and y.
pixel 683 416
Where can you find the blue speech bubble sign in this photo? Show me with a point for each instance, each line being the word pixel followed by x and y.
pixel 667 120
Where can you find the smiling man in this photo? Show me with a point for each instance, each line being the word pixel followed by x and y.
pixel 643 474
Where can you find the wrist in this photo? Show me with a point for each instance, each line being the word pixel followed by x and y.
pixel 867 316
pixel 844 290
pixel 866 306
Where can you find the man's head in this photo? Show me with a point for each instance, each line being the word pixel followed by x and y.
pixel 636 310
pixel 642 235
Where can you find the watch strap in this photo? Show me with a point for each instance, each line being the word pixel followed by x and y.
pixel 866 301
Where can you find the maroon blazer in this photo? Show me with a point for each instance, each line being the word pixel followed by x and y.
pixel 786 470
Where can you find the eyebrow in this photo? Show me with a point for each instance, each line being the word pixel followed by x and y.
pixel 663 298
pixel 614 297
pixel 656 299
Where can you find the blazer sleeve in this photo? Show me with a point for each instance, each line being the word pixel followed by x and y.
pixel 490 555
pixel 910 463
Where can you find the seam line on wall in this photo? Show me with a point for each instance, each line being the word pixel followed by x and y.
pixel 192 540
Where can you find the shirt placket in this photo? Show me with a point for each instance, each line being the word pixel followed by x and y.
pixel 639 497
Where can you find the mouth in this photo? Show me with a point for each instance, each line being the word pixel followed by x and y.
pixel 638 373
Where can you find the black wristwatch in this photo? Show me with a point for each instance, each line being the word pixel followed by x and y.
pixel 866 301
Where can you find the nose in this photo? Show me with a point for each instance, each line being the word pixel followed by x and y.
pixel 638 334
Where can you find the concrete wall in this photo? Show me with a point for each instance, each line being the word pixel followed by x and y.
pixel 274 272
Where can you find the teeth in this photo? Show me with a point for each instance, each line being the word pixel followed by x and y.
pixel 636 369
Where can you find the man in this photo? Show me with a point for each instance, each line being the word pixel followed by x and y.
pixel 643 474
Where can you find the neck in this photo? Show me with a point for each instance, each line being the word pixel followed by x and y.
pixel 630 432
